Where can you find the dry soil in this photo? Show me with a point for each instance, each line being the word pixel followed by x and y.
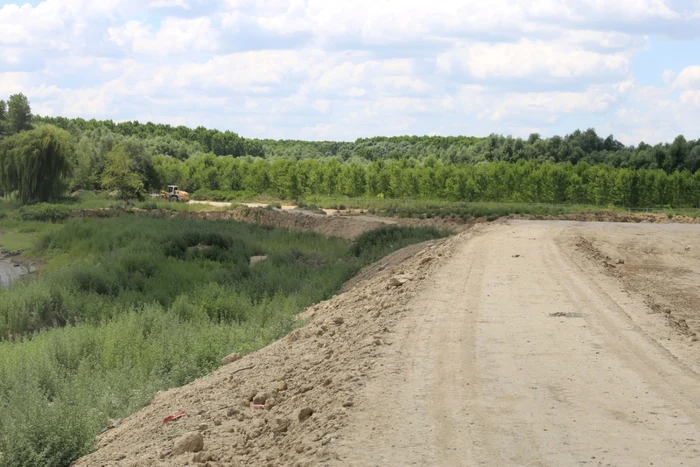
pixel 530 343
pixel 525 349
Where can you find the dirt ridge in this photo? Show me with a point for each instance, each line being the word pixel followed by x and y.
pixel 306 384
pixel 351 226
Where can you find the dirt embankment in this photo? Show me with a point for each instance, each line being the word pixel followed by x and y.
pixel 353 225
pixel 349 227
pixel 345 227
pixel 303 386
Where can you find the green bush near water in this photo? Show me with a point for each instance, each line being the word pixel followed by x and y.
pixel 132 305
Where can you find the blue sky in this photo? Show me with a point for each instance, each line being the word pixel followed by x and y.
pixel 316 69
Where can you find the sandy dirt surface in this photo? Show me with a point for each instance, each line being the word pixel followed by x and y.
pixel 525 350
pixel 225 204
pixel 516 343
pixel 216 204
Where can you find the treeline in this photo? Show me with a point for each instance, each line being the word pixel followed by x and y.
pixel 523 181
pixel 580 146
pixel 167 137
pixel 132 158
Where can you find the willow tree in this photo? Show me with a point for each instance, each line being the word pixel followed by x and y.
pixel 35 163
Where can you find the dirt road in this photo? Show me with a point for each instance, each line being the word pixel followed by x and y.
pixel 523 350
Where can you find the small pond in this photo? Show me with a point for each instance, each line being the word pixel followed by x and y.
pixel 10 271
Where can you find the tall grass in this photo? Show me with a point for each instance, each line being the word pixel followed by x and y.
pixel 131 305
pixel 124 261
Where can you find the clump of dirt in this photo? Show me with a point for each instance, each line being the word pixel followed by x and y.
pixel 586 246
pixel 287 403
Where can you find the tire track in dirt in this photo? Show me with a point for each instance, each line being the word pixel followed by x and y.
pixel 514 355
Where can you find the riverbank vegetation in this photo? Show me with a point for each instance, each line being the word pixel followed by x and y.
pixel 128 306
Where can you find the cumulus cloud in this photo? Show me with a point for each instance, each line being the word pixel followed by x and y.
pixel 173 35
pixel 593 100
pixel 322 69
pixel 528 59
pixel 169 4
pixel 689 77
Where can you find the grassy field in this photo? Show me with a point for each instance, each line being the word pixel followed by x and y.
pixel 131 305
pixel 21 227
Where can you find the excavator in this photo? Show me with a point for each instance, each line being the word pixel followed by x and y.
pixel 174 194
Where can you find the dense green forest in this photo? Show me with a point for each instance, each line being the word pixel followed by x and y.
pixel 132 158
pixel 580 146
pixel 524 181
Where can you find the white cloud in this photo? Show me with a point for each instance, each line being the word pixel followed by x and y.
pixel 531 59
pixel 174 35
pixel 321 105
pixel 689 77
pixel 533 104
pixel 595 39
pixel 691 98
pixel 169 4
pixel 631 10
pixel 356 76
pixel 254 72
pixel 391 21
pixel 667 77
pixel 333 69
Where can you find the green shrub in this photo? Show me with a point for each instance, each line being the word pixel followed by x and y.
pixel 44 212
pixel 39 432
pixel 3 215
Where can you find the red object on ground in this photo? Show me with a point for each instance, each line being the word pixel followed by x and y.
pixel 257 406
pixel 170 418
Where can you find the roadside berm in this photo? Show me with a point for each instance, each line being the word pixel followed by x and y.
pixel 287 403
